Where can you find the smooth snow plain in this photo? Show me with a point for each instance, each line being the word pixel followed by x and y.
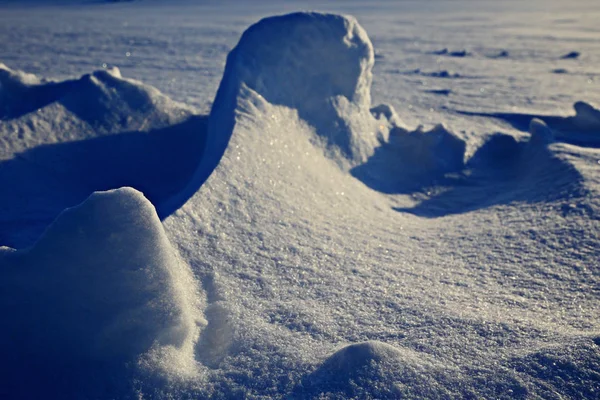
pixel 399 204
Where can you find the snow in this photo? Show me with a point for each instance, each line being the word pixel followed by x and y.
pixel 98 132
pixel 249 261
pixel 102 288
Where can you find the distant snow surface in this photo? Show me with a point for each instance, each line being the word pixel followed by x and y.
pixel 340 225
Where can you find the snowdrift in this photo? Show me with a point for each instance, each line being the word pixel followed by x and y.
pixel 99 295
pixel 317 66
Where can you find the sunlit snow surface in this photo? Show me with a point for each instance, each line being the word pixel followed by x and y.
pixel 337 249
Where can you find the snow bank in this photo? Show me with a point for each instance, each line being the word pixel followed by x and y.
pixel 100 292
pixel 581 129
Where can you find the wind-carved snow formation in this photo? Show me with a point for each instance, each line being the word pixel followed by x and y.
pixel 317 65
pixel 101 289
pixel 299 262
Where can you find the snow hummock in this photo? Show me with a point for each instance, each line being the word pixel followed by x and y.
pixel 103 99
pixel 582 129
pixel 372 368
pixel 102 289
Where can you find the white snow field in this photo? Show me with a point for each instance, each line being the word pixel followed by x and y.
pixel 399 204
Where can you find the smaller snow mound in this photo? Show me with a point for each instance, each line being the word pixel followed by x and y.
pixel 498 152
pixel 102 288
pixel 103 99
pixel 442 74
pixel 500 54
pixel 540 133
pixel 441 92
pixel 570 56
pixel 387 119
pixel 587 117
pixel 17 93
pixel 451 53
pixel 350 358
pixel 503 171
pixel 581 129
pixel 373 369
pixel 410 160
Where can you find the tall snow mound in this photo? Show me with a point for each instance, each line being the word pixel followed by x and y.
pixel 101 289
pixel 317 64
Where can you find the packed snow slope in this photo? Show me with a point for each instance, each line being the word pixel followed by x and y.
pixel 317 247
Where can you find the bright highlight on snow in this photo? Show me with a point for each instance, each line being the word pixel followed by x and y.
pixel 299 241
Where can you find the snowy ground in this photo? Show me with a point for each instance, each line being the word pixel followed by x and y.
pixel 333 251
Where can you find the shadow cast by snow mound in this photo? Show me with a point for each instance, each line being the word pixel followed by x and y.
pixel 49 178
pixel 504 171
pixel 581 129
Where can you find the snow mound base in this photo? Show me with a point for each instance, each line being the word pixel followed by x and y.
pixel 100 292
